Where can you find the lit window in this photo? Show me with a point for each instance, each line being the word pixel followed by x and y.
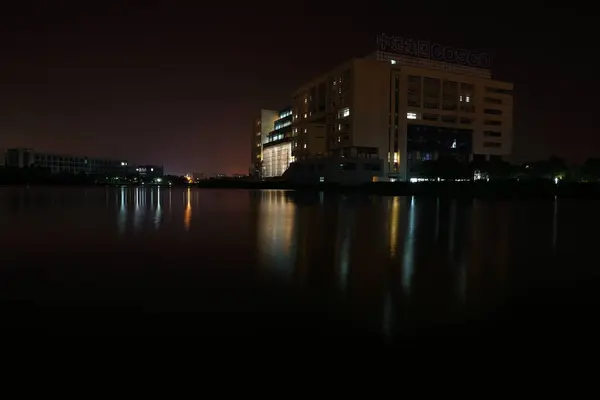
pixel 393 61
pixel 344 112
pixel 460 97
pixel 305 100
pixel 305 130
pixel 322 179
pixel 304 145
pixel 411 115
pixel 467 99
pixel 339 139
pixel 151 169
pixel 454 144
pixel 305 115
pixel 339 127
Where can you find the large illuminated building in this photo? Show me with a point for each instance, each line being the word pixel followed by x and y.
pixel 271 144
pixel 407 103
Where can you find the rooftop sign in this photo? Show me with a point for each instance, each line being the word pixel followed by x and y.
pixel 433 51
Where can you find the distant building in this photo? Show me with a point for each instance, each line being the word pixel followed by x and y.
pixel 198 176
pixel 56 163
pixel 147 171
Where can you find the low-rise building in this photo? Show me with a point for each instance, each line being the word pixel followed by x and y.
pixel 74 164
pixel 349 166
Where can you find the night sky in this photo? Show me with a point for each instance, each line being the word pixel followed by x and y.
pixel 178 84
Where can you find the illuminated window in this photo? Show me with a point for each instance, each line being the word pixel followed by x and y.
pixel 305 100
pixel 460 97
pixel 305 130
pixel 468 99
pixel 393 61
pixel 339 139
pixel 339 127
pixel 305 115
pixel 411 115
pixel 344 112
pixel 304 145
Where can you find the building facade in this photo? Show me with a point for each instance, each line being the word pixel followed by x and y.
pixel 60 163
pixel 271 145
pixel 406 110
pixel 262 125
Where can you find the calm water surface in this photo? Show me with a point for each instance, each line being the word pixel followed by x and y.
pixel 390 266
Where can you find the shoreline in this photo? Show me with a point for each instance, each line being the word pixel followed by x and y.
pixel 508 189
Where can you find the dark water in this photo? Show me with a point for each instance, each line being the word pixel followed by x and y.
pixel 279 264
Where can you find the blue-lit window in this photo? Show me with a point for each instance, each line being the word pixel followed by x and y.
pixel 285 113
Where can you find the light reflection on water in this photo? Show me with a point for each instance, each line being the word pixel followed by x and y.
pixel 187 217
pixel 383 255
pixel 276 231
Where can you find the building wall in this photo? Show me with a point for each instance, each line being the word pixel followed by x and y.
pixel 328 170
pixel 255 147
pixel 481 113
pixel 371 102
pixel 276 159
pixel 369 111
pixel 263 124
pixel 21 158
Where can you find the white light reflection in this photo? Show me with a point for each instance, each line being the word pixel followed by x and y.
pixel 409 247
pixel 122 219
pixel 277 232
pixel 158 211
pixel 140 208
pixel 187 216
